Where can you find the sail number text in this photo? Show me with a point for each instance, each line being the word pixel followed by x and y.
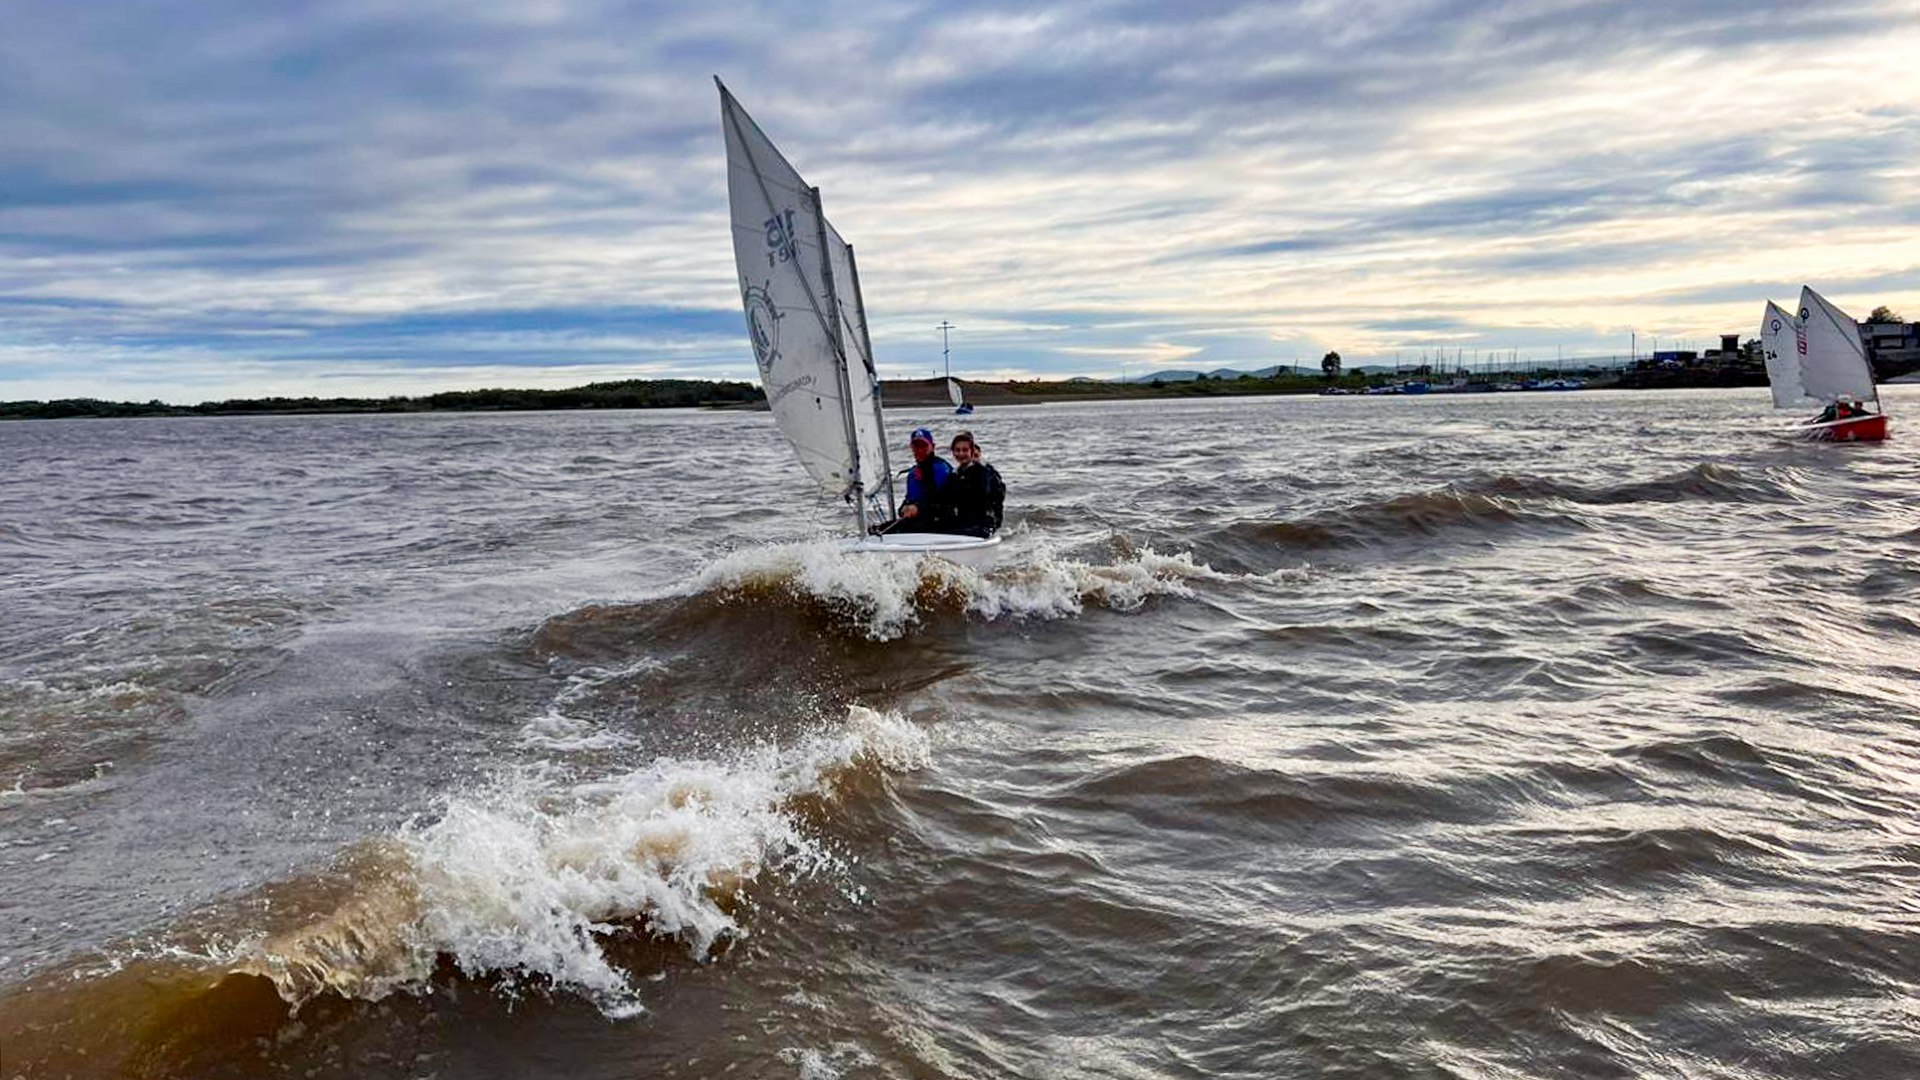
pixel 781 245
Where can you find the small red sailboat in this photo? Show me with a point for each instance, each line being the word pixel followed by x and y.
pixel 1850 422
pixel 1816 358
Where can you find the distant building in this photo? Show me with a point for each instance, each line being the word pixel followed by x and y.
pixel 1675 358
pixel 1894 348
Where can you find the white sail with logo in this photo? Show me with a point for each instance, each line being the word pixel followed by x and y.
pixel 805 318
pixel 954 395
pixel 1783 344
pixel 1835 364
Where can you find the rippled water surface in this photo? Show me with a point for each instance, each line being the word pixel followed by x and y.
pixel 1498 736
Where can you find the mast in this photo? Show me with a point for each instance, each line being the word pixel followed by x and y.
pixel 945 357
pixel 866 344
pixel 1871 380
pixel 840 360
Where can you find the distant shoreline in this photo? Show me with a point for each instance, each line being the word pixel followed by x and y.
pixel 909 393
pixel 933 392
pixel 625 394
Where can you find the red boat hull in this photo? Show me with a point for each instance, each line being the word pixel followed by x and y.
pixel 1871 428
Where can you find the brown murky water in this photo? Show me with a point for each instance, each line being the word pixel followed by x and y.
pixel 1503 736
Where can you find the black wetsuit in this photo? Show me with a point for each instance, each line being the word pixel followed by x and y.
pixel 971 501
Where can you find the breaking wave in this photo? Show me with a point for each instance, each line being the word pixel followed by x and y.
pixel 885 598
pixel 524 883
pixel 542 882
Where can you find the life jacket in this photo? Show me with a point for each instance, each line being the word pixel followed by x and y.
pixel 921 487
pixel 974 498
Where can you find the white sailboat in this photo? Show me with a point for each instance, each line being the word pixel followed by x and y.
pixel 1817 359
pixel 808 327
pixel 954 393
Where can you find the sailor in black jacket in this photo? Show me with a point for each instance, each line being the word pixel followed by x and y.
pixel 973 497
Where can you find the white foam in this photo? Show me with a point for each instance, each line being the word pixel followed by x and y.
pixel 1056 588
pixel 557 731
pixel 522 880
pixel 879 594
pixel 884 597
pixel 829 1064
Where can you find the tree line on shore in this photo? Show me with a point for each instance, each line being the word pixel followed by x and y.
pixel 625 394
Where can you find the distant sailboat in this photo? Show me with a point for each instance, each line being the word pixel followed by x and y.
pixel 954 393
pixel 808 328
pixel 1816 358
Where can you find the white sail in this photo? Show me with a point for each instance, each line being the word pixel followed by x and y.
pixel 1835 364
pixel 954 395
pixel 1784 344
pixel 800 291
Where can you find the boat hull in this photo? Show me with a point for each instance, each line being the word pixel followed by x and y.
pixel 1871 428
pixel 965 550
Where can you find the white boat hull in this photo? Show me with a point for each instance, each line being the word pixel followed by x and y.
pixel 965 550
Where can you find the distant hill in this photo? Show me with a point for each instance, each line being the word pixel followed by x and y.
pixel 1185 375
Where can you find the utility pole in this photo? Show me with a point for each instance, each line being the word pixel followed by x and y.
pixel 945 357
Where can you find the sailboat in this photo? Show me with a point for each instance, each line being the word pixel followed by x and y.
pixel 1816 358
pixel 807 324
pixel 954 394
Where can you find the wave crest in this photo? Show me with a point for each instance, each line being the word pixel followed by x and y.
pixel 884 598
pixel 525 883
pixel 1486 504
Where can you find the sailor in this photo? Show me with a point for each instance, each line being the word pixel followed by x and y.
pixel 973 498
pixel 929 475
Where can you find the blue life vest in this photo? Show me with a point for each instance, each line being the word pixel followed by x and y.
pixel 918 495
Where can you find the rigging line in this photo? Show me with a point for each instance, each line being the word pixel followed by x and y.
pixel 873 378
pixel 856 487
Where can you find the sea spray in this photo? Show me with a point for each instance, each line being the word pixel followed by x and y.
pixel 883 598
pixel 521 881
pixel 1053 587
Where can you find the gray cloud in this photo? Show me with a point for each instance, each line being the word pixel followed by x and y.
pixel 193 178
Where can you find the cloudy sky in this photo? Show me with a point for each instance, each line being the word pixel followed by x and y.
pixel 368 197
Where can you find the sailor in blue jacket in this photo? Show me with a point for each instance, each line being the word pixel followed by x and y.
pixel 924 481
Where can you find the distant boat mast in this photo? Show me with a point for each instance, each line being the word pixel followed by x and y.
pixel 945 356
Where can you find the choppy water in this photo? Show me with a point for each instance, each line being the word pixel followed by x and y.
pixel 1516 736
